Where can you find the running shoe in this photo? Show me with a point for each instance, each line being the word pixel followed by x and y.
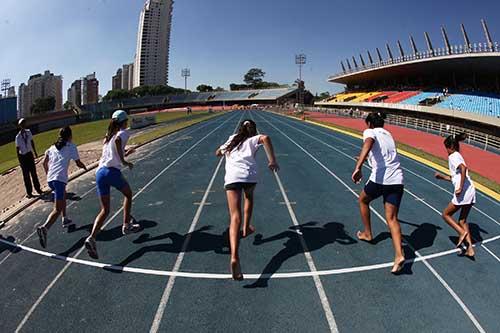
pixel 131 227
pixel 42 235
pixel 91 247
pixel 66 222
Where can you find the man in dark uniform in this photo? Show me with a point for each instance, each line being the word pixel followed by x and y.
pixel 26 153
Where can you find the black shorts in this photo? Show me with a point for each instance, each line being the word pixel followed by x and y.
pixel 239 186
pixel 391 193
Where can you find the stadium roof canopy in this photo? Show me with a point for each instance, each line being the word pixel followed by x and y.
pixel 451 69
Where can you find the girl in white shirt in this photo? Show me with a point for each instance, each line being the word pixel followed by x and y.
pixel 386 180
pixel 241 177
pixel 464 196
pixel 109 175
pixel 56 163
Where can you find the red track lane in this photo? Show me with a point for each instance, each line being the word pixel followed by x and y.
pixel 478 160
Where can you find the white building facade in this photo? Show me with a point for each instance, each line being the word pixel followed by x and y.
pixel 153 44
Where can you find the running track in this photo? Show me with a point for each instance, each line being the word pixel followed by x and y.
pixel 305 271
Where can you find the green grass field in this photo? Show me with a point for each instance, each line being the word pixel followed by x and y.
pixel 88 132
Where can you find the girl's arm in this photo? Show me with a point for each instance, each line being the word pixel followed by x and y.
pixel 219 153
pixel 119 149
pixel 80 165
pixel 367 146
pixel 268 147
pixel 442 177
pixel 46 163
pixel 463 173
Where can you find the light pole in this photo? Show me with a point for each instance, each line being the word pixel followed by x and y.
pixel 185 73
pixel 300 60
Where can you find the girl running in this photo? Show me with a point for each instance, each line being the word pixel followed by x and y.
pixel 109 175
pixel 56 163
pixel 386 180
pixel 464 196
pixel 241 177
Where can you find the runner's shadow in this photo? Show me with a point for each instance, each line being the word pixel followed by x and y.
pixel 198 241
pixel 476 233
pixel 106 235
pixel 6 247
pixel 422 237
pixel 314 238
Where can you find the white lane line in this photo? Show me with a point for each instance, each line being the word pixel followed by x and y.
pixel 140 159
pixel 310 262
pixel 426 263
pixel 312 267
pixel 60 274
pixel 364 165
pixel 250 276
pixel 416 162
pixel 155 326
pixel 352 158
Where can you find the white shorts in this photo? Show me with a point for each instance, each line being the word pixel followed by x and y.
pixel 467 197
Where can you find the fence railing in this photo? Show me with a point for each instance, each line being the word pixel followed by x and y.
pixel 481 140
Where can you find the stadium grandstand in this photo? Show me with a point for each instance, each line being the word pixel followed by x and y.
pixel 456 83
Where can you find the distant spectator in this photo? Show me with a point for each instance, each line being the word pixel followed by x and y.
pixel 26 153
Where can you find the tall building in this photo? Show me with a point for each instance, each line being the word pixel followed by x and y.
pixel 153 43
pixel 90 89
pixel 75 93
pixel 40 86
pixel 128 76
pixel 11 92
pixel 116 82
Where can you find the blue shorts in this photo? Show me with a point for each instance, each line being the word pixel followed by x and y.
pixel 59 189
pixel 391 193
pixel 107 177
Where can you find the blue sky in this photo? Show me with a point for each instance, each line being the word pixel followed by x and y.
pixel 219 40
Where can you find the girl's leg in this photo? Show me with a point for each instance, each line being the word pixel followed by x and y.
pixel 41 230
pixel 234 204
pixel 127 204
pixel 364 208
pixel 391 216
pixel 248 229
pixel 462 220
pixel 448 218
pixel 101 217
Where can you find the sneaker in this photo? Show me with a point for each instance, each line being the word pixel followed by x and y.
pixel 91 247
pixel 66 222
pixel 131 227
pixel 42 235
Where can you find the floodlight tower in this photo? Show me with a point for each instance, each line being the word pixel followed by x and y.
pixel 5 85
pixel 300 60
pixel 185 73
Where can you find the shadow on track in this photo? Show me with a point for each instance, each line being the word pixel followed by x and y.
pixel 5 247
pixel 105 235
pixel 199 241
pixel 314 237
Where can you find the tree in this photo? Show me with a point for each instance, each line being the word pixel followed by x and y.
pixel 68 106
pixel 254 76
pixel 204 88
pixel 219 89
pixel 322 96
pixel 42 105
pixel 235 86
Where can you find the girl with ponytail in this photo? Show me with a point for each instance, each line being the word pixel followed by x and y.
pixel 109 175
pixel 241 178
pixel 56 163
pixel 464 196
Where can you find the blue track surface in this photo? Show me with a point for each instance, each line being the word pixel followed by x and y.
pixel 317 277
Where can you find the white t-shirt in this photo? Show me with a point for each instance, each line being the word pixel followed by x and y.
pixel 23 141
pixel 110 157
pixel 383 158
pixel 468 194
pixel 241 166
pixel 59 161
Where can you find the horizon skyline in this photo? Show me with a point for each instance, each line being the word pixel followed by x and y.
pixel 283 72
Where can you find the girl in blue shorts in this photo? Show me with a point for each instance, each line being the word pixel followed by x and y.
pixel 386 180
pixel 56 163
pixel 109 175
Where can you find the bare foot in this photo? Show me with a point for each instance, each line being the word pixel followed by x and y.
pixel 470 252
pixel 462 238
pixel 398 265
pixel 364 236
pixel 248 231
pixel 236 270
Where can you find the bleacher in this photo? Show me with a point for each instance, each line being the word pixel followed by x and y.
pixel 486 105
pixel 416 99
